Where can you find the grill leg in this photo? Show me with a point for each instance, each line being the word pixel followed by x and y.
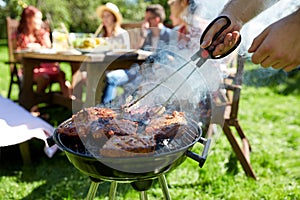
pixel 143 195
pixel 113 190
pixel 164 185
pixel 92 191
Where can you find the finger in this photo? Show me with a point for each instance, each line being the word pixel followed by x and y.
pixel 280 65
pixel 289 68
pixel 284 65
pixel 219 50
pixel 231 39
pixel 228 41
pixel 259 59
pixel 208 37
pixel 260 54
pixel 235 36
pixel 207 40
pixel 269 62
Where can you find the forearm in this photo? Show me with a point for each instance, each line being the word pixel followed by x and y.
pixel 245 10
pixel 297 14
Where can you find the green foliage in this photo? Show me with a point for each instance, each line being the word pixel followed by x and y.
pixel 77 15
pixel 269 118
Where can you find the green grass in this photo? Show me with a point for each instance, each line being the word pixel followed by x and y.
pixel 269 114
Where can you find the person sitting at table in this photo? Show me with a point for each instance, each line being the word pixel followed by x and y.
pixel 154 35
pixel 192 24
pixel 32 35
pixel 177 21
pixel 110 28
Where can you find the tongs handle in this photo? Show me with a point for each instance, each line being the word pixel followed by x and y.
pixel 210 49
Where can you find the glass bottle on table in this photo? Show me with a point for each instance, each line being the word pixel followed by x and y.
pixel 60 37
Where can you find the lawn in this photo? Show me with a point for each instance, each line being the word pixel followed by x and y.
pixel 269 114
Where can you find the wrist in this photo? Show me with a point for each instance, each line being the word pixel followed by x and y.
pixel 236 23
pixel 297 13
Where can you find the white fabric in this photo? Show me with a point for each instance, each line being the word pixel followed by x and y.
pixel 17 125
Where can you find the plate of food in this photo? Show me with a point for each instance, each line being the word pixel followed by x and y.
pixel 92 45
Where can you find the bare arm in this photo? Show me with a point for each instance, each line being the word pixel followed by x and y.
pixel 279 44
pixel 245 10
pixel 239 12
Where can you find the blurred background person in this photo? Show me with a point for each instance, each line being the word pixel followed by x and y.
pixel 110 27
pixel 177 21
pixel 192 24
pixel 154 33
pixel 32 35
pixel 154 36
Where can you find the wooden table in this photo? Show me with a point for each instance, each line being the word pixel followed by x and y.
pixel 94 64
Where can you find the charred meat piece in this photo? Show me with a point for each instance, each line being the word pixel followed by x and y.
pixel 69 130
pixel 128 145
pixel 84 118
pixel 110 127
pixel 167 126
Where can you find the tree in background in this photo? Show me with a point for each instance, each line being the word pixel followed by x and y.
pixel 77 15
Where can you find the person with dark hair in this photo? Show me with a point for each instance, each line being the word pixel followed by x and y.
pixel 32 35
pixel 153 31
pixel 277 46
pixel 154 36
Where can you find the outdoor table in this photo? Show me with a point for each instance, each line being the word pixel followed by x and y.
pixel 94 63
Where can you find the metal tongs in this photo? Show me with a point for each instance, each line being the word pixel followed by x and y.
pixel 202 54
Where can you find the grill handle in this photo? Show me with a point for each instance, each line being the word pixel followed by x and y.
pixel 200 159
pixel 50 141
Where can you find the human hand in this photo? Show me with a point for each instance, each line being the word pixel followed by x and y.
pixel 145 26
pixel 279 44
pixel 227 39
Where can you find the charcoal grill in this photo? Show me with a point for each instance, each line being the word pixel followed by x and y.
pixel 193 97
pixel 148 167
pixel 100 169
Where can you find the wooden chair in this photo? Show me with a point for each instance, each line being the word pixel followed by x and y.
pixel 228 104
pixel 14 65
pixel 15 78
pixel 134 32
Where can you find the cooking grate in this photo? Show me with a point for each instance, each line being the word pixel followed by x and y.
pixel 187 136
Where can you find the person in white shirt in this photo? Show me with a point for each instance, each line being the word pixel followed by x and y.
pixel 110 27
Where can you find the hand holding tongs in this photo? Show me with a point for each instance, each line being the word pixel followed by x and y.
pixel 207 52
pixel 201 54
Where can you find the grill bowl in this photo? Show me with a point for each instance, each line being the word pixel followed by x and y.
pixel 124 168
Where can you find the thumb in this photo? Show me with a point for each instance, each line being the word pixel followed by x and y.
pixel 207 38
